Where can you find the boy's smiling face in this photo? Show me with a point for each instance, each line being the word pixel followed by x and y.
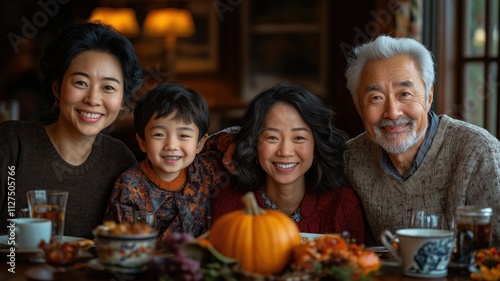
pixel 170 145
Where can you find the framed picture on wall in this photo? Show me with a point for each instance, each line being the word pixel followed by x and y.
pixel 284 40
pixel 409 19
pixel 198 53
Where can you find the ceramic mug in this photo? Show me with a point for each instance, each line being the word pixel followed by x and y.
pixel 30 231
pixel 423 253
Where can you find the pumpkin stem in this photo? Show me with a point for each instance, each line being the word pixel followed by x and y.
pixel 251 206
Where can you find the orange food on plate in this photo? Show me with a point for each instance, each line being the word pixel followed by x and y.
pixel 331 243
pixel 113 228
pixel 60 254
pixel 332 250
pixel 366 260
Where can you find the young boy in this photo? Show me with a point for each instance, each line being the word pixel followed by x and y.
pixel 177 177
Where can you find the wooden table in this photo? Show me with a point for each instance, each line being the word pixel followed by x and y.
pixel 27 271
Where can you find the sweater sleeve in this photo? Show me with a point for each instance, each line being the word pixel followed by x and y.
pixel 225 200
pixel 218 143
pixel 484 183
pixel 211 158
pixel 124 200
pixel 334 211
pixel 350 216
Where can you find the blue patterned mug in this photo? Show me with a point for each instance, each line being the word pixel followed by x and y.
pixel 423 253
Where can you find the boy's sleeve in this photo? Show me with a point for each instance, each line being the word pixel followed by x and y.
pixel 211 156
pixel 229 130
pixel 122 202
pixel 219 142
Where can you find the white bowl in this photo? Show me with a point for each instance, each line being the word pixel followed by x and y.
pixel 127 250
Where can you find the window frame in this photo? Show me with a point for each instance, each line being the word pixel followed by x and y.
pixel 451 61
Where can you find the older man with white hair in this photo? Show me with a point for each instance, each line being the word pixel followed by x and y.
pixel 410 158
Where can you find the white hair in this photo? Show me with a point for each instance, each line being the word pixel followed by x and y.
pixel 385 47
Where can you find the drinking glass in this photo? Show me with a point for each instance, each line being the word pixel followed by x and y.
pixel 425 219
pixel 23 213
pixel 474 227
pixel 144 217
pixel 49 204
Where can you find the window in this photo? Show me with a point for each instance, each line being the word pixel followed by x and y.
pixel 477 74
pixel 465 40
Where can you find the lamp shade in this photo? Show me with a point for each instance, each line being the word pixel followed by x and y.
pixel 169 21
pixel 123 19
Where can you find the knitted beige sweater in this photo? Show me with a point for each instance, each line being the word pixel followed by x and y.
pixel 462 167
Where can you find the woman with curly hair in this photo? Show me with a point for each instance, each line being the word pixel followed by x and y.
pixel 289 154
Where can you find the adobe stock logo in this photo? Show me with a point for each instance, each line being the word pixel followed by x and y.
pixel 382 18
pixel 222 6
pixel 40 19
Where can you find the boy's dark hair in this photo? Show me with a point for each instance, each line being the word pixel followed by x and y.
pixel 90 36
pixel 191 106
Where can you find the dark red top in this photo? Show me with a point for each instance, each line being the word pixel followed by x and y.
pixel 327 212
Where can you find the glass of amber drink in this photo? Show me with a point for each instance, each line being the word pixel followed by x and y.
pixel 473 229
pixel 144 217
pixel 49 204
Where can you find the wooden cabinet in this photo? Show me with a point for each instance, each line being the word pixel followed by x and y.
pixel 284 40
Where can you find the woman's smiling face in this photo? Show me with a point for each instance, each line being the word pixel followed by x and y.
pixel 90 93
pixel 285 145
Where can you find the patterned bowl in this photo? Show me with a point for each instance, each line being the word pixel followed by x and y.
pixel 126 250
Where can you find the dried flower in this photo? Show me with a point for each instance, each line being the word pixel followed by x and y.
pixel 488 262
pixel 332 256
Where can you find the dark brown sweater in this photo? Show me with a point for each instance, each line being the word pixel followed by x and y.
pixel 26 147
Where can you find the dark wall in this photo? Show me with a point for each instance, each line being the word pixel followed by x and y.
pixel 348 27
pixel 19 69
pixel 26 28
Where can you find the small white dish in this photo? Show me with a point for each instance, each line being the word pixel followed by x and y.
pixel 5 247
pixel 310 236
pixel 40 273
pixel 97 265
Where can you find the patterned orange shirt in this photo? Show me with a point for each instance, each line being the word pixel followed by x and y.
pixel 179 206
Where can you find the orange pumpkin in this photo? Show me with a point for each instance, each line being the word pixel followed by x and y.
pixel 261 241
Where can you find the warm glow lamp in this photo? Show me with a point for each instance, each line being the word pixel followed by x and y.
pixel 169 23
pixel 123 19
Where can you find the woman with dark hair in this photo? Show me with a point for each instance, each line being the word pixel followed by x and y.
pixel 289 153
pixel 93 36
pixel 90 70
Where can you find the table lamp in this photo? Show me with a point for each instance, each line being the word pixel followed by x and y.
pixel 122 19
pixel 169 23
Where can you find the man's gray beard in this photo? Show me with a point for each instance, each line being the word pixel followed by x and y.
pixel 399 147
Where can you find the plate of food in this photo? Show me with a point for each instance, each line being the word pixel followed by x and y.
pixel 96 264
pixel 67 252
pixel 381 251
pixel 305 236
pixel 82 242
